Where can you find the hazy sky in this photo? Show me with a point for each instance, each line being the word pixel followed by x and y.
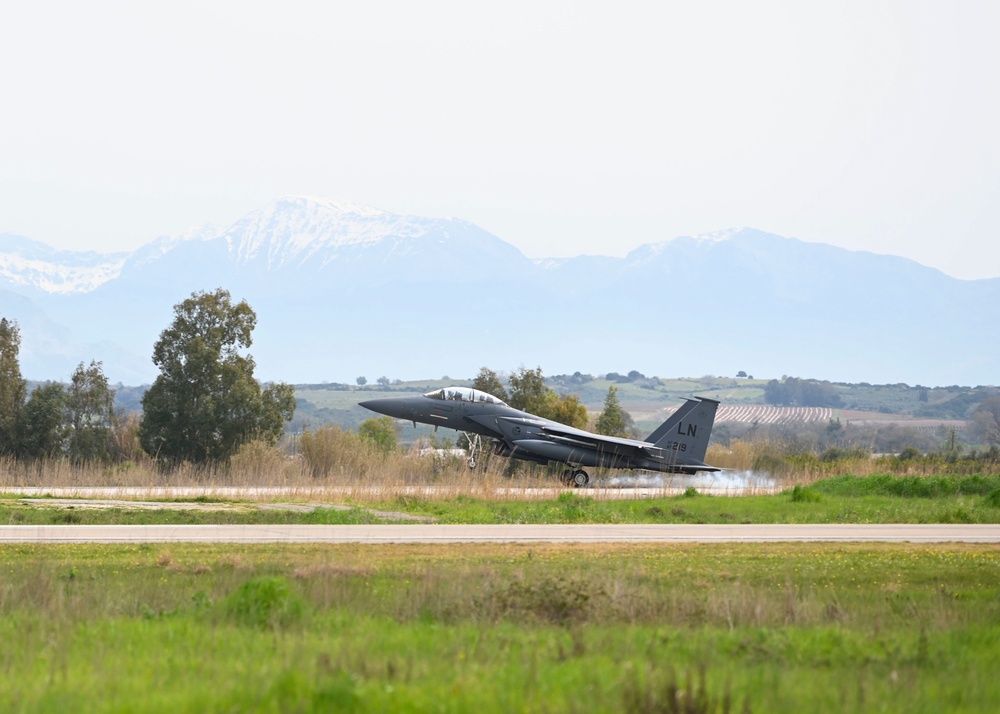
pixel 563 128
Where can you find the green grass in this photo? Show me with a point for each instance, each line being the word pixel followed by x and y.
pixel 800 505
pixel 842 499
pixel 16 514
pixel 775 628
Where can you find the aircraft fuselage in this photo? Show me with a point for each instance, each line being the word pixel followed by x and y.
pixel 677 446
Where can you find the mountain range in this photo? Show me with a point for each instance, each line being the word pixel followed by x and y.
pixel 343 290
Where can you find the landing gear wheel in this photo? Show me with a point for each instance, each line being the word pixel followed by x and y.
pixel 580 478
pixel 566 477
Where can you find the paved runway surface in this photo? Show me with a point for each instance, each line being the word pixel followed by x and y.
pixel 668 533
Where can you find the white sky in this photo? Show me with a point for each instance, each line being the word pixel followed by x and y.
pixel 563 128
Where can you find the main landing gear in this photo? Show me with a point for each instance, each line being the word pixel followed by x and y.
pixel 576 479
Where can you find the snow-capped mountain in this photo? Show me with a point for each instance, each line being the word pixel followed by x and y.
pixel 358 243
pixel 295 229
pixel 160 247
pixel 342 289
pixel 26 264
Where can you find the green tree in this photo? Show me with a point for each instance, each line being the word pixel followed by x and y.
pixel 206 402
pixel 13 388
pixel 527 390
pixel 41 422
pixel 801 392
pixel 379 432
pixel 613 421
pixel 776 392
pixel 487 381
pixel 90 414
pixel 565 409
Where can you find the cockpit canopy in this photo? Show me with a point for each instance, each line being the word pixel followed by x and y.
pixel 463 394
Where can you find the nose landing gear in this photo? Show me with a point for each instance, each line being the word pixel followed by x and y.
pixel 475 446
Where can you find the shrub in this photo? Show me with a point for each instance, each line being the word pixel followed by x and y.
pixel 257 462
pixel 329 448
pixel 804 495
pixel 910 453
pixel 551 600
pixel 380 432
pixel 264 602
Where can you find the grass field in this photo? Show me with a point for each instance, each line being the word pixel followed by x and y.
pixel 777 628
pixel 531 628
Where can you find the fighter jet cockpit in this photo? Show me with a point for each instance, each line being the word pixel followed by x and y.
pixel 463 394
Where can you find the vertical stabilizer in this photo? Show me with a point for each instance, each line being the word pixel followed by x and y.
pixel 681 412
pixel 688 435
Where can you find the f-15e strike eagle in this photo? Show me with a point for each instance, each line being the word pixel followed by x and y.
pixel 677 446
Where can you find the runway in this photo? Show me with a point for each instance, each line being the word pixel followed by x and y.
pixel 431 533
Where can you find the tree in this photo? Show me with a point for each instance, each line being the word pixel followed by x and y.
pixel 206 402
pixel 801 392
pixel 90 414
pixel 565 409
pixel 13 388
pixel 487 381
pixel 776 392
pixel 41 422
pixel 986 420
pixel 613 421
pixel 382 381
pixel 527 390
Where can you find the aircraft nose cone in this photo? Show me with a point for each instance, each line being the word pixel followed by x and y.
pixel 390 406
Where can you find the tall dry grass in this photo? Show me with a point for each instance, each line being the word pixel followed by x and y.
pixel 327 461
pixel 330 460
pixel 789 468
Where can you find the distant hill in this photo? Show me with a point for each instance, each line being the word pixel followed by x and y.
pixel 650 400
pixel 342 289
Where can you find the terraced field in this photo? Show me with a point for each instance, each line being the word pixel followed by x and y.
pixel 761 414
pixel 750 413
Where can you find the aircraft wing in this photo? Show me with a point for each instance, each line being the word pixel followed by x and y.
pixel 633 448
pixel 579 437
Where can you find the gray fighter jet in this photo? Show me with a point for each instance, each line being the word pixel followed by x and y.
pixel 677 446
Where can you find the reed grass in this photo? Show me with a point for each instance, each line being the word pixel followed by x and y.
pixel 332 460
